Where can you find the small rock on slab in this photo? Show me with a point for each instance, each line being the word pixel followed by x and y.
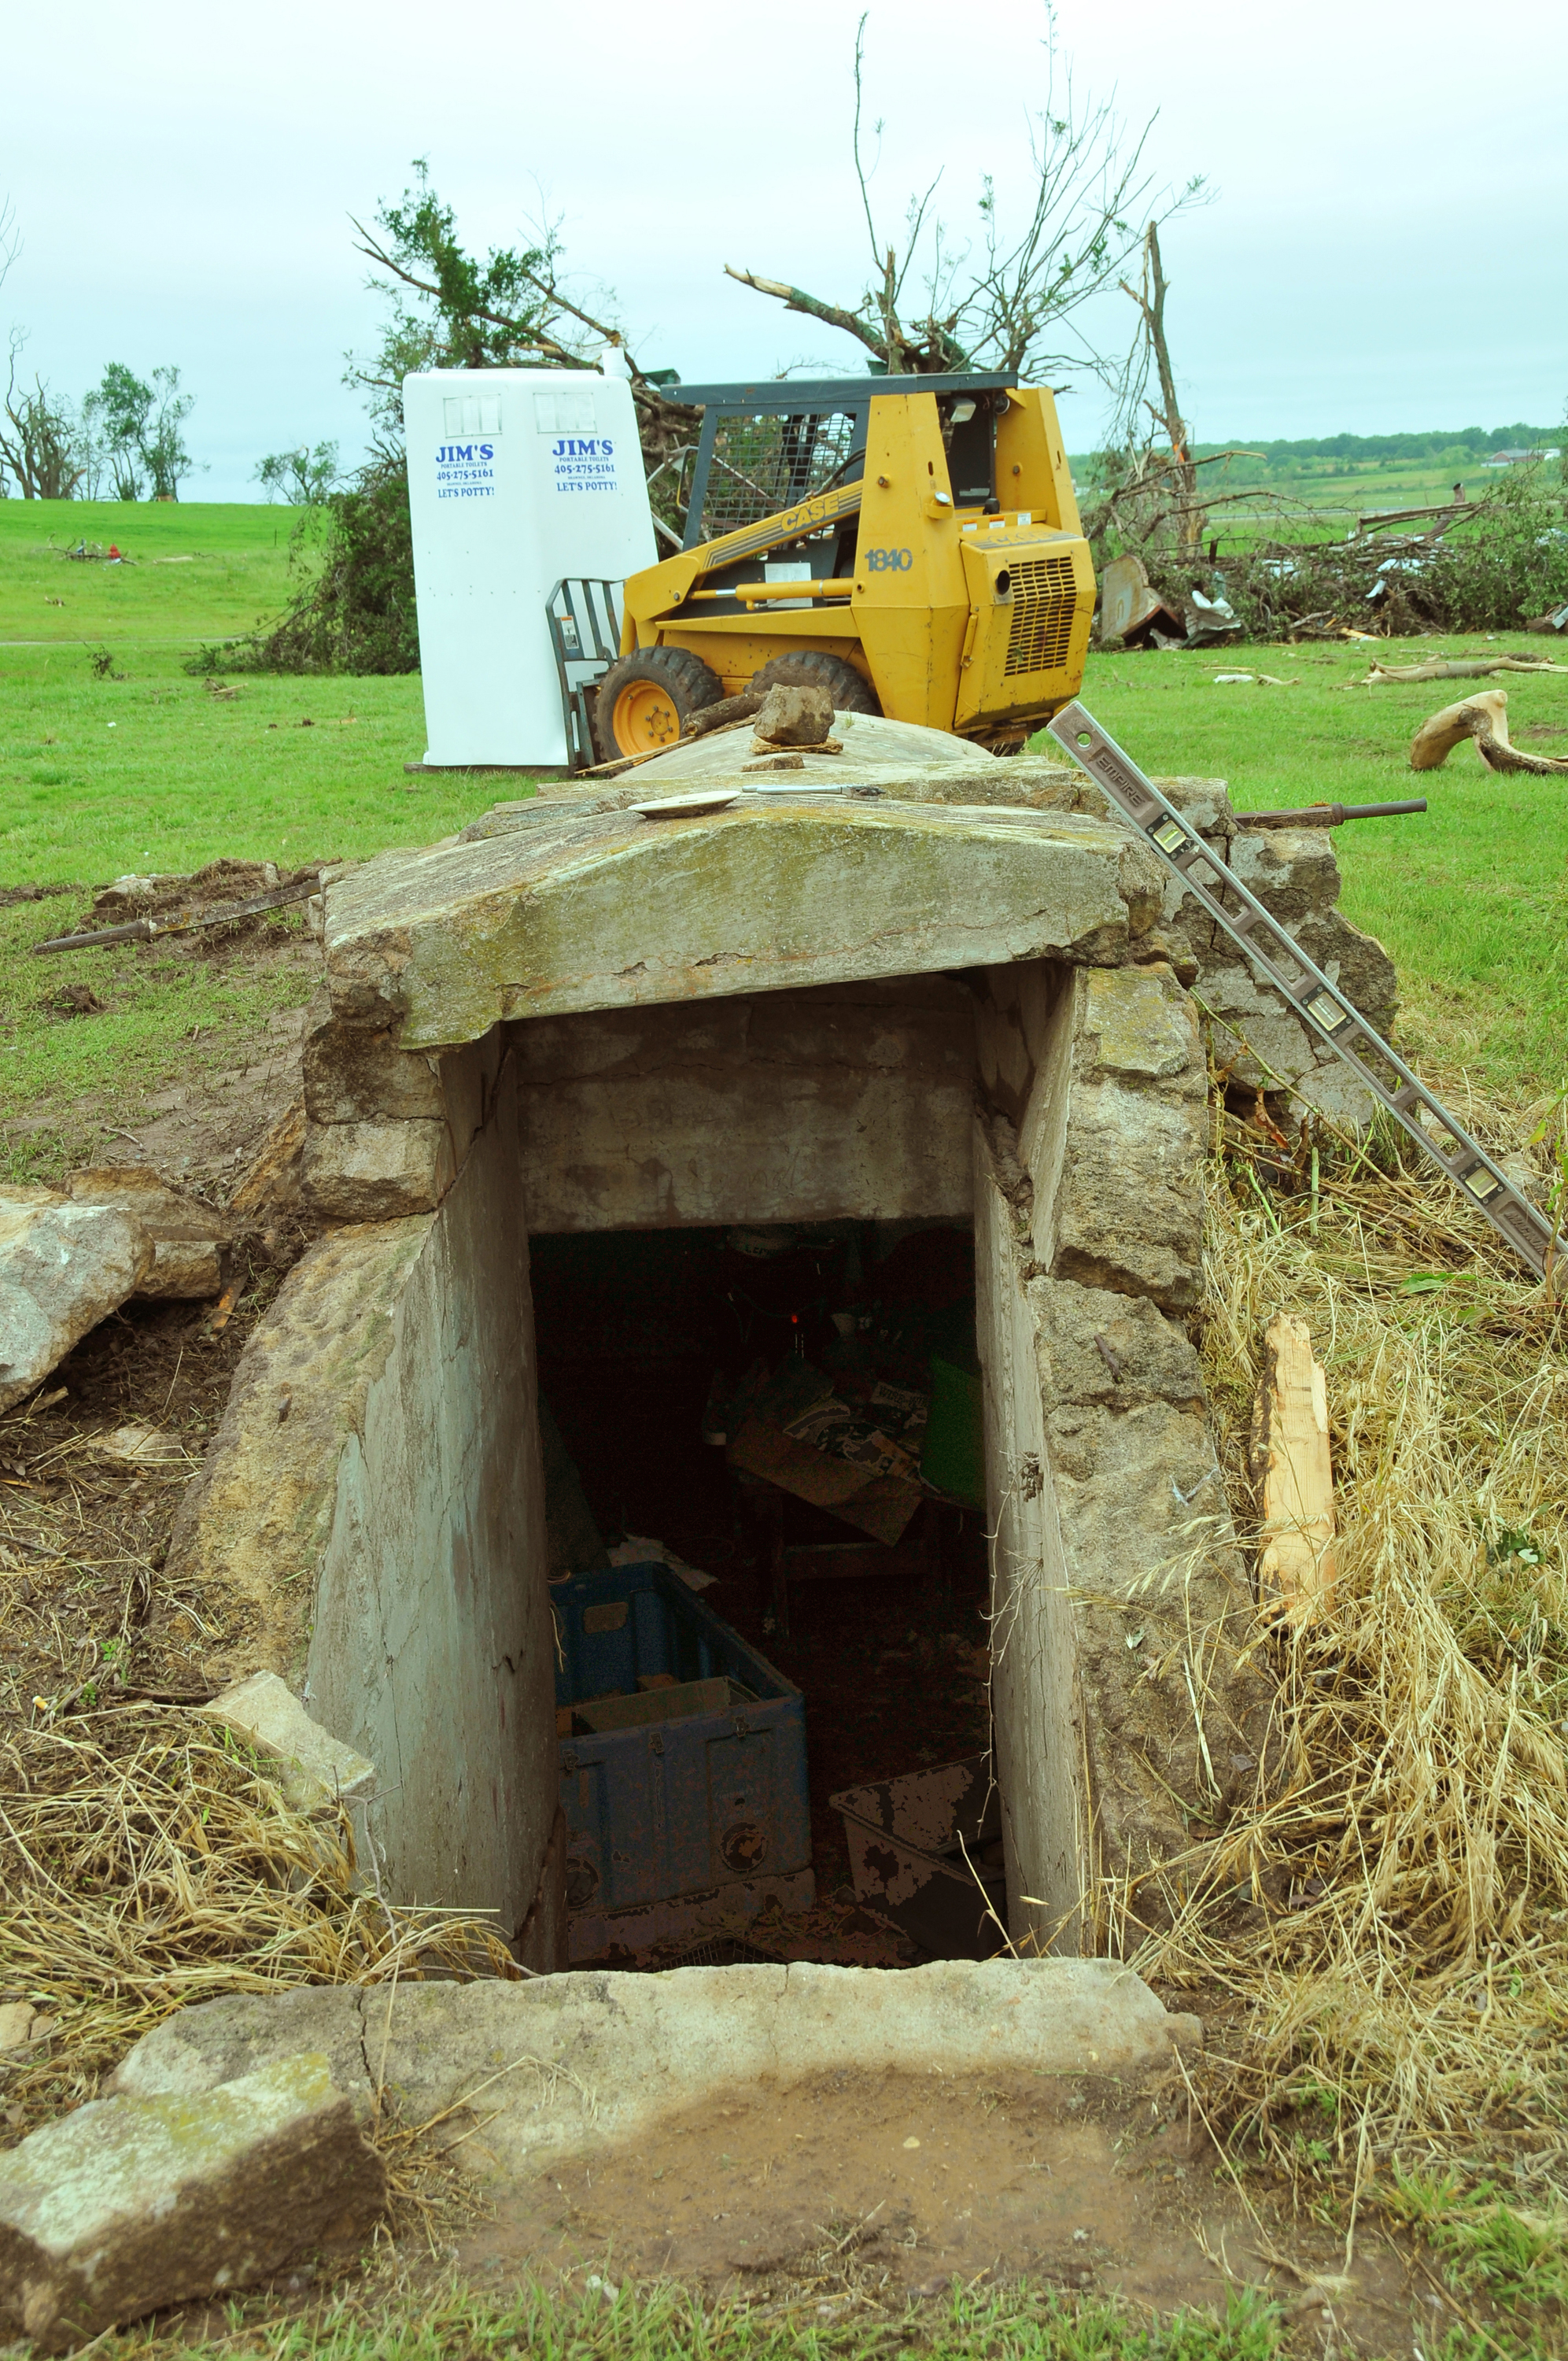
pixel 130 2204
pixel 63 1268
pixel 795 716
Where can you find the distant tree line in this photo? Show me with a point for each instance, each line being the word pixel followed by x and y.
pixel 1470 441
pixel 124 441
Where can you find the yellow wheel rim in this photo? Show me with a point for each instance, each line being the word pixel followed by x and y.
pixel 645 718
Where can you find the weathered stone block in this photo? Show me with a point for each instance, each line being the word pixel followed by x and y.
pixel 1174 1724
pixel 1291 871
pixel 1113 1136
pixel 63 1268
pixel 251 1531
pixel 356 1073
pixel 609 910
pixel 318 1769
pixel 636 2049
pixel 376 1172
pixel 1134 1023
pixel 216 2041
pixel 130 2204
pixel 188 1238
pixel 1127 1210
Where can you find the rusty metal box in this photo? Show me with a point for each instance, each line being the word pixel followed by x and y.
pixel 692 1814
pixel 916 1853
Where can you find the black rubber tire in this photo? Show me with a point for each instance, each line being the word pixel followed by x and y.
pixel 689 684
pixel 811 668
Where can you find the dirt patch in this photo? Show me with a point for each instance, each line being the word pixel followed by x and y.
pixel 203 1129
pixel 90 1476
pixel 93 1469
pixel 852 2191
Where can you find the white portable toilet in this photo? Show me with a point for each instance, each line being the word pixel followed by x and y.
pixel 517 478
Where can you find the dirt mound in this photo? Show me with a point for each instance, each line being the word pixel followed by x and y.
pixel 170 893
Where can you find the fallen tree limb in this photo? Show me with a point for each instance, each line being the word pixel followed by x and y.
pixel 1460 668
pixel 1486 719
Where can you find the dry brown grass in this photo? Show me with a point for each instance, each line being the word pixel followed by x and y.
pixel 145 1864
pixel 1400 1991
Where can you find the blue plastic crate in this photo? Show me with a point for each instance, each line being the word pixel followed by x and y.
pixel 684 1822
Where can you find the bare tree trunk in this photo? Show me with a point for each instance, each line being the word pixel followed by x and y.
pixel 1150 299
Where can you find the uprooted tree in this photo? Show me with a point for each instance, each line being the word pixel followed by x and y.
pixel 518 309
pixel 41 443
pixel 1008 298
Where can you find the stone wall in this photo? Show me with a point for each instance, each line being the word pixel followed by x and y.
pixel 387 1128
pixel 371 1512
pixel 1255 1037
pixel 1130 1724
pixel 431 1648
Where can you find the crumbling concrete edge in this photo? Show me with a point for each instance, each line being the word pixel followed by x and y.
pixel 253 1528
pixel 586 2060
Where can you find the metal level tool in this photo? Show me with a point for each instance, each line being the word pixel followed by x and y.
pixel 1321 1005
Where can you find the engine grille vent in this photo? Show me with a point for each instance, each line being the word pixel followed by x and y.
pixel 1043 609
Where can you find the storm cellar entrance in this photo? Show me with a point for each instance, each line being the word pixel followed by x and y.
pixel 784 1422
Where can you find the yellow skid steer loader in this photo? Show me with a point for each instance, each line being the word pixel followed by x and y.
pixel 910 544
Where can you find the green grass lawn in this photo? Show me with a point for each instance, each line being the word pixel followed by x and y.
pixel 193 571
pixel 151 771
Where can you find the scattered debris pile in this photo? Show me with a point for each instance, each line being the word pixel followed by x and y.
pixel 1497 563
pixel 228 895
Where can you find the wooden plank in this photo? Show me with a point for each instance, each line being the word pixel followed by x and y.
pixel 1292 1464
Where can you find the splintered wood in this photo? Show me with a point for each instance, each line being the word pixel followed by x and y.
pixel 1291 1465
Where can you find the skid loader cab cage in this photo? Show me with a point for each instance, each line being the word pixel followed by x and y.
pixel 768 446
pixel 909 545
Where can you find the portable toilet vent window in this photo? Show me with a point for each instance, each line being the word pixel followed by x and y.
pixel 517 478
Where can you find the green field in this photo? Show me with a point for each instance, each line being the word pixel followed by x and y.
pixel 1292 486
pixel 194 571
pixel 1470 897
pixel 154 771
pixel 151 770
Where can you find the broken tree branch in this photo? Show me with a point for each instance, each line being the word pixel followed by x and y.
pixel 1459 668
pixel 1486 719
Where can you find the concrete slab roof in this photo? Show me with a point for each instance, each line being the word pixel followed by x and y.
pixel 605 909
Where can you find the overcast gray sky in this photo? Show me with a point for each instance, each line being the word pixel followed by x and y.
pixel 1386 248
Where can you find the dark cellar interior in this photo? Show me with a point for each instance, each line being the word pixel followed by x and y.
pixel 650 1345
